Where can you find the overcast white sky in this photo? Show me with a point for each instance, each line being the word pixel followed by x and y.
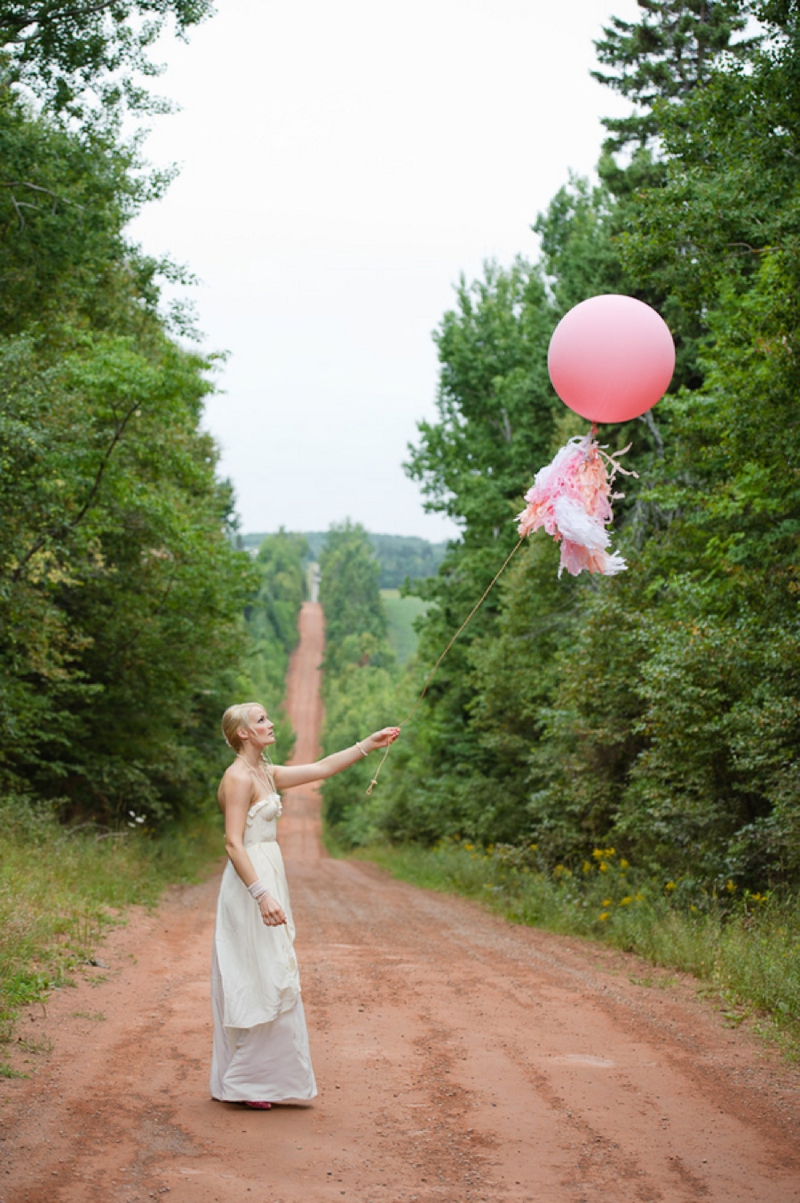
pixel 341 165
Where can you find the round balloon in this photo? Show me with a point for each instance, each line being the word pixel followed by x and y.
pixel 611 358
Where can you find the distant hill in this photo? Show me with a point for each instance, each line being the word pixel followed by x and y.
pixel 399 556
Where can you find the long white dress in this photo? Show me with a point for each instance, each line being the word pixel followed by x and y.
pixel 260 1051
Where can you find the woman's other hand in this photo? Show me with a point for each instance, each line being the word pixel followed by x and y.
pixel 272 912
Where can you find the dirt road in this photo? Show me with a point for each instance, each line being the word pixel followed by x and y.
pixel 459 1059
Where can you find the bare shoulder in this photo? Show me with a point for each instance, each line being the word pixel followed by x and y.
pixel 236 782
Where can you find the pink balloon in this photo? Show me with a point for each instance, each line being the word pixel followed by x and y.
pixel 611 358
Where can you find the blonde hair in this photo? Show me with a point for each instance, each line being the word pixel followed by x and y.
pixel 234 718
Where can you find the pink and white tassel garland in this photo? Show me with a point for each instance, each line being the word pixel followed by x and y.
pixel 571 498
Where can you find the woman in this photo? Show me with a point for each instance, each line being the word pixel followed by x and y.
pixel 260 1051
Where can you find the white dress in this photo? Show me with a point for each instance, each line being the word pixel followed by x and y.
pixel 260 1051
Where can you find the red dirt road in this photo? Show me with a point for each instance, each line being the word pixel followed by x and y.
pixel 459 1059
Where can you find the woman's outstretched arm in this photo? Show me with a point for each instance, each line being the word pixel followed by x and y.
pixel 287 776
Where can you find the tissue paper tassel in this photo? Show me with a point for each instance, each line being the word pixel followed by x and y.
pixel 571 498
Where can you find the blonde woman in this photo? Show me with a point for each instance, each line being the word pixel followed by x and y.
pixel 260 1053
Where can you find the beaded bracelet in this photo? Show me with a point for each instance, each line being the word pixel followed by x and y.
pixel 258 890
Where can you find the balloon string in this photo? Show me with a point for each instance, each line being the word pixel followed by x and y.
pixel 435 668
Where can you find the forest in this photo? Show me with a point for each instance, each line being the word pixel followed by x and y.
pixel 401 558
pixel 655 713
pixel 128 619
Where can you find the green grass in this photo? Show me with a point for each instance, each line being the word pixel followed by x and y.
pixel 401 612
pixel 746 949
pixel 61 889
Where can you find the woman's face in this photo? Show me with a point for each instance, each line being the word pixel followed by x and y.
pixel 262 729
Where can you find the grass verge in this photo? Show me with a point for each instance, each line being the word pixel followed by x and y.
pixel 747 948
pixel 60 889
pixel 401 613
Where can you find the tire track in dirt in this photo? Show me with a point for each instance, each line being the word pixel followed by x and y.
pixel 460 1059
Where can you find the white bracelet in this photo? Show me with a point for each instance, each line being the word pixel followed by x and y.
pixel 361 750
pixel 258 890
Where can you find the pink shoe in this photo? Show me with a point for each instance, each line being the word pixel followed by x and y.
pixel 259 1106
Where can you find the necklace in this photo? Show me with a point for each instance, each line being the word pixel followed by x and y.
pixel 260 771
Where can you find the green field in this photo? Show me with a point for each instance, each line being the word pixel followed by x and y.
pixel 401 612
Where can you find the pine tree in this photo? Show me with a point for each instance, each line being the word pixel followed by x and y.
pixel 665 56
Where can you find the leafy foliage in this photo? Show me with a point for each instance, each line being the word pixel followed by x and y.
pixel 122 598
pixel 60 49
pixel 665 57
pixel 400 557
pixel 355 620
pixel 360 673
pixel 656 711
pixel 271 622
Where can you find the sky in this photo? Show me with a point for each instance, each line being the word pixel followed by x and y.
pixel 341 166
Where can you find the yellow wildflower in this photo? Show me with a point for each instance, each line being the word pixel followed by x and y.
pixel 603 867
pixel 623 864
pixel 587 868
pixel 604 915
pixel 670 886
pixel 730 886
pixel 626 901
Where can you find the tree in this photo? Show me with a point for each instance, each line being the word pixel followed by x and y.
pixel 120 592
pixel 122 598
pixel 355 619
pixel 283 589
pixel 359 672
pixel 495 403
pixel 663 59
pixel 658 710
pixel 60 49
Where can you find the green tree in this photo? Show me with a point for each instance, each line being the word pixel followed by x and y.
pixel 706 779
pixel 122 598
pixel 355 620
pixel 271 617
pixel 495 404
pixel 664 58
pixel 359 676
pixel 119 588
pixel 497 416
pixel 283 590
pixel 62 49
pixel 657 710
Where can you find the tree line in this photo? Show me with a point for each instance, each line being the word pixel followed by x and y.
pixel 128 620
pixel 659 711
pixel 400 558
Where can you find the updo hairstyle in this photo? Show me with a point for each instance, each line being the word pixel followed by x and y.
pixel 234 718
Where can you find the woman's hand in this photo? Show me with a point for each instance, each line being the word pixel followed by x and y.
pixel 381 739
pixel 272 912
pixel 289 776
